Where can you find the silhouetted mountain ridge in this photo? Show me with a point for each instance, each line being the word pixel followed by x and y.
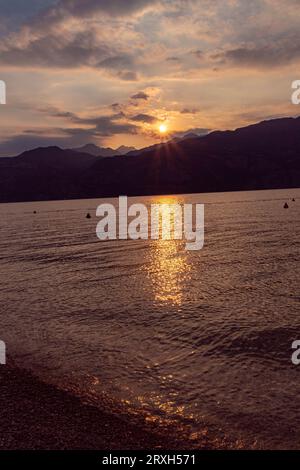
pixel 261 156
pixel 93 149
pixel 123 149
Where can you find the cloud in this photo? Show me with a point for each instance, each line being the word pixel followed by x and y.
pixel 189 111
pixel 53 112
pixel 272 55
pixel 70 50
pixel 122 64
pixel 64 138
pixel 80 131
pixel 81 8
pixel 51 39
pixel 15 12
pixel 128 75
pixel 173 59
pixel 162 41
pixel 140 96
pixel 198 53
pixel 20 143
pixel 62 50
pixel 146 118
pixel 66 9
pixel 116 62
pixel 101 126
pixel 83 55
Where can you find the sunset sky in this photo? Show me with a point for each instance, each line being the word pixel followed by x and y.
pixel 112 72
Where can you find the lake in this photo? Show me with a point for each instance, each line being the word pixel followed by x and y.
pixel 195 336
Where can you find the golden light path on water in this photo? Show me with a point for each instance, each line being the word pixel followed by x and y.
pixel 168 270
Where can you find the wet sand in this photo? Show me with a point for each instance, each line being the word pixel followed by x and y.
pixel 36 415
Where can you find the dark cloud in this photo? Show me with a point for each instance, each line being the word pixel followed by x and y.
pixel 117 62
pixel 65 138
pixel 189 111
pixel 102 126
pixel 47 40
pixel 29 140
pixel 140 96
pixel 198 53
pixel 271 55
pixel 64 9
pixel 69 50
pixel 113 7
pixel 65 50
pixel 173 59
pixel 128 75
pixel 250 56
pixel 53 112
pixel 96 129
pixel 123 65
pixel 15 12
pixel 105 127
pixel 144 118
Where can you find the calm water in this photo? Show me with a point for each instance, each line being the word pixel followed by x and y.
pixel 203 336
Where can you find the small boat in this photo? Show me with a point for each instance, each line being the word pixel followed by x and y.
pixel 293 199
pixel 88 216
pixel 286 206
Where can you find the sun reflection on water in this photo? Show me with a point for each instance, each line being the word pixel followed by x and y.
pixel 168 269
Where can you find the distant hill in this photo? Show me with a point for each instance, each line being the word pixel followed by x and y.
pixel 45 158
pixel 41 173
pixel 155 147
pixel 123 149
pixel 93 149
pixel 261 156
pixel 190 135
pixel 145 149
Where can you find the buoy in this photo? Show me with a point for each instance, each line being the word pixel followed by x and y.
pixel 293 199
pixel 286 206
pixel 88 215
pixel 34 212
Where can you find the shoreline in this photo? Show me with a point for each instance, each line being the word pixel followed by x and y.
pixel 38 416
pixel 91 198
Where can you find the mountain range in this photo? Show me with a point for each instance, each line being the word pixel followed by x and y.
pixel 260 156
pixel 93 149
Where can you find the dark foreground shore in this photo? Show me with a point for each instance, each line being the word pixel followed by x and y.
pixel 36 415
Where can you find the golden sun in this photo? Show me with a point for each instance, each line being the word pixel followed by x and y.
pixel 163 128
